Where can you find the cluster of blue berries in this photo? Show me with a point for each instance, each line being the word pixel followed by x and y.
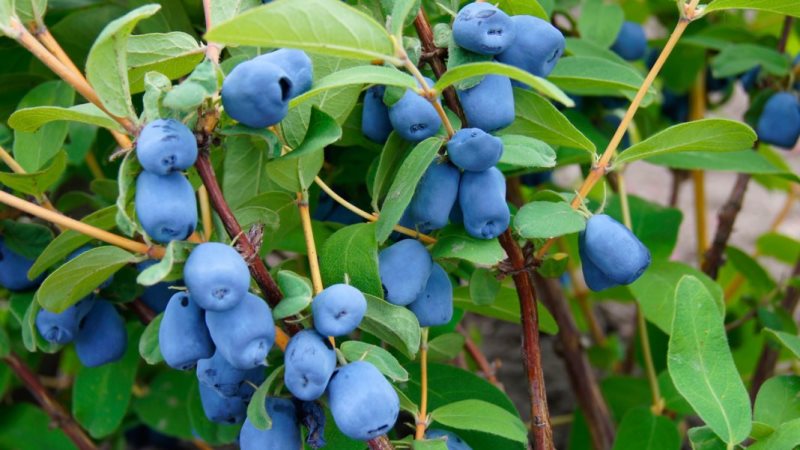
pixel 257 92
pixel 165 202
pixel 93 324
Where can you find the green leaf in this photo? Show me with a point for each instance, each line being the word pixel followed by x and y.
pixel 5 343
pixel 170 267
pixel 148 343
pixel 69 241
pixel 703 438
pixel 156 86
pixel 163 407
pixel 641 430
pixel 404 184
pixel 481 416
pixel 37 183
pixel 401 10
pixel 32 119
pixel 523 7
pixel 394 150
pixel 447 384
pixel 505 307
pixel 31 338
pixel 322 131
pixel 707 135
pixel 600 22
pixel 760 281
pixel 744 161
pixel 779 246
pixel 78 277
pixel 317 26
pixel 297 294
pixel 32 150
pixel 26 427
pixel 590 75
pixel 25 239
pixel 171 54
pixel 445 347
pixel 257 408
pixel 739 58
pixel 790 341
pixel 786 436
pixel 365 74
pixel 126 185
pixel 295 174
pixel 223 10
pixel 584 47
pixel 544 220
pixel 352 252
pixel 787 7
pixel 244 173
pixel 778 401
pixel 483 286
pixel 194 90
pixel 380 358
pixel 454 242
pixel 655 291
pixel 101 395
pixel 31 11
pixel 701 365
pixel 395 325
pixel 471 70
pixel 524 151
pixel 106 65
pixel 535 116
pixel 433 444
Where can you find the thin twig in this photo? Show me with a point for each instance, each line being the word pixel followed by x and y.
pixel 57 413
pixel 422 417
pixel 311 247
pixel 479 358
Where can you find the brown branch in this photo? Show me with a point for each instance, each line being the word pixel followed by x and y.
pixel 434 58
pixel 531 355
pixel 769 354
pixel 380 443
pixel 580 373
pixel 727 217
pixel 57 413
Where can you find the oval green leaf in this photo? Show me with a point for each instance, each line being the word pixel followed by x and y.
pixel 545 220
pixel 479 415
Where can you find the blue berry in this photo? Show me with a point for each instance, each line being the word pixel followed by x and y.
pixel 404 269
pixel 257 93
pixel 183 337
pixel 243 334
pixel 483 28
pixel 537 47
pixel 482 196
pixel 474 149
pixel 363 404
pixel 102 337
pixel 165 146
pixel 217 276
pixel 434 306
pixel 310 361
pixel 338 310
pixel 166 206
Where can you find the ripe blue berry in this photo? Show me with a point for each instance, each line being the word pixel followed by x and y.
pixel 631 42
pixel 363 404
pixel 482 196
pixel 217 373
pixel 62 328
pixel 165 146
pixel 434 306
pixel 537 47
pixel 217 276
pixel 220 409
pixel 14 270
pixel 474 149
pixel 404 269
pixel 338 310
pixel 375 123
pixel 413 117
pixel 257 93
pixel 310 361
pixel 779 123
pixel 296 64
pixel 489 105
pixel 284 433
pixel 102 337
pixel 243 334
pixel 166 206
pixel 614 251
pixel 183 337
pixel 434 197
pixel 483 28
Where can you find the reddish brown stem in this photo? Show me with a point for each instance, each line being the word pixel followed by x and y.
pixel 769 355
pixel 531 355
pixel 422 24
pixel 380 443
pixel 57 413
pixel 257 268
pixel 480 359
pixel 142 311
pixel 580 373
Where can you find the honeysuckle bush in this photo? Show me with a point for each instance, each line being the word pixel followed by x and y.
pixel 706 336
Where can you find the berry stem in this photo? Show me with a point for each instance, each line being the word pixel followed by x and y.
pixel 311 246
pixel 370 217
pixel 78 82
pixel 57 413
pixel 72 224
pixel 422 418
pixel 205 213
pixel 16 168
